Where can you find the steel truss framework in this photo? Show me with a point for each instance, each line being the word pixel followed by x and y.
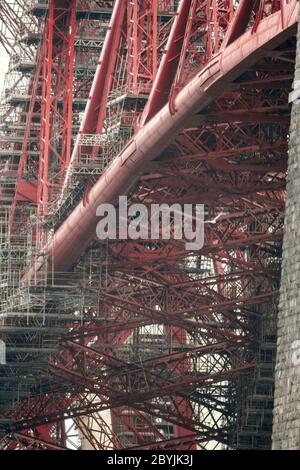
pixel 142 344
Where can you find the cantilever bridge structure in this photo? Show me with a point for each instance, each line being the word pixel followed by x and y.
pixel 142 344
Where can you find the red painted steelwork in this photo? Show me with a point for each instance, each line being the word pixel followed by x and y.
pixel 168 66
pixel 57 86
pixel 240 22
pixel 93 118
pixel 158 336
pixel 78 230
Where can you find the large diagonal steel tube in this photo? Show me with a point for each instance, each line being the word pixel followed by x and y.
pixel 168 65
pixel 240 22
pixel 96 104
pixel 75 234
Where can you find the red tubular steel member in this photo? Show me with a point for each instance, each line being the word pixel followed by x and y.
pixel 97 100
pixel 168 66
pixel 240 22
pixel 75 234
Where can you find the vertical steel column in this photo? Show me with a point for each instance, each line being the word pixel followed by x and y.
pixel 57 100
pixel 142 36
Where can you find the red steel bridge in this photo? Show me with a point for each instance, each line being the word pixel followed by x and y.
pixel 141 344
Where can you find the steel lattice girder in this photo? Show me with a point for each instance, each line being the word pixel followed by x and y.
pixel 245 199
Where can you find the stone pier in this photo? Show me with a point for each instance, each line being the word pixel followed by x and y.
pixel 286 415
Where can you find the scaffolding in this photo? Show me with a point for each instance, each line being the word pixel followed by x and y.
pixel 114 328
